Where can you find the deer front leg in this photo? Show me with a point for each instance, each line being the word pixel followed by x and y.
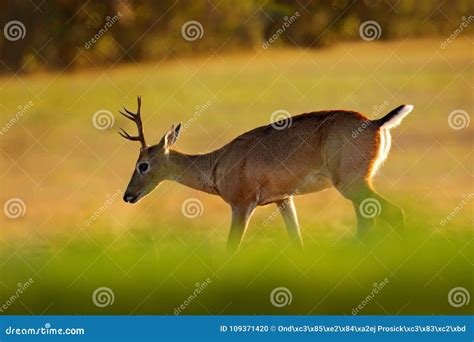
pixel 288 211
pixel 240 218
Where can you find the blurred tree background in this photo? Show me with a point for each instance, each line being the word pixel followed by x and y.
pixel 70 34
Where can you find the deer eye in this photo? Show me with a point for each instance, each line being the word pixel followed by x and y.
pixel 143 167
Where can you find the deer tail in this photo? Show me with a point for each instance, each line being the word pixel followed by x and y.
pixel 395 117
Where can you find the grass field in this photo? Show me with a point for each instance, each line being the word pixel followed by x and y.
pixel 154 259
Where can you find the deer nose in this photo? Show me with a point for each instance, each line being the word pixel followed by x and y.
pixel 127 197
pixel 131 198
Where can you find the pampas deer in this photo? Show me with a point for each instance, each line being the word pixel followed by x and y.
pixel 270 164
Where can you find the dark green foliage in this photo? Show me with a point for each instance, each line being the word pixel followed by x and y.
pixel 58 32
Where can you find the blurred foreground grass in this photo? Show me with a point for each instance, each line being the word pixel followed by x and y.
pixel 154 272
pixel 152 257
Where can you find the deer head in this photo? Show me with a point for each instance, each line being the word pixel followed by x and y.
pixel 152 165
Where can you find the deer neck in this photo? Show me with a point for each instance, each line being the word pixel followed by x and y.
pixel 194 171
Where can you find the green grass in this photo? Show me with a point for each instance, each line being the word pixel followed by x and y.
pixel 153 273
pixel 151 256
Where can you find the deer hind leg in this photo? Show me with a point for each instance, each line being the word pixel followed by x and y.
pixel 240 218
pixel 393 215
pixel 369 206
pixel 366 207
pixel 287 209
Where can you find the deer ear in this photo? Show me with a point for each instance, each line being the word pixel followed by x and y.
pixel 171 136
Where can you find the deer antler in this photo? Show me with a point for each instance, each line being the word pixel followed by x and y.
pixel 135 117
